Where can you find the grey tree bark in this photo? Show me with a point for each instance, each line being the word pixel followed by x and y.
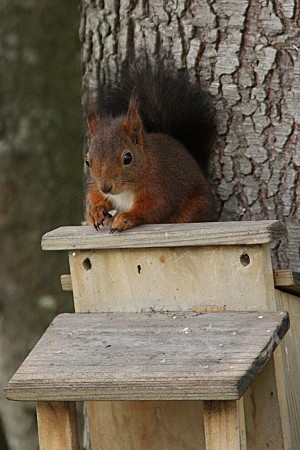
pixel 40 181
pixel 247 54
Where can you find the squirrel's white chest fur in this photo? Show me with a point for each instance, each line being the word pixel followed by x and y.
pixel 121 202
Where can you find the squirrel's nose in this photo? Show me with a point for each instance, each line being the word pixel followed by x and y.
pixel 106 189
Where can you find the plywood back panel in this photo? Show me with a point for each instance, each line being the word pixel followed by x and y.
pixel 196 278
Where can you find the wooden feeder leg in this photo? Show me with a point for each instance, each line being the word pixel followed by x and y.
pixel 223 425
pixel 57 426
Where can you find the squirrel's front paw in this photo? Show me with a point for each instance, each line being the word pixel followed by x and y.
pixel 99 216
pixel 122 222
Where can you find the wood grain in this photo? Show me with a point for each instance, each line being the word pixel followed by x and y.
pixel 170 356
pixel 284 280
pixel 223 429
pixel 146 425
pixel 57 425
pixel 173 278
pixel 287 362
pixel 166 235
pixel 66 282
pixel 263 411
pixel 287 281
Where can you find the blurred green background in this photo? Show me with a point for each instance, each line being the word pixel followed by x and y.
pixel 41 184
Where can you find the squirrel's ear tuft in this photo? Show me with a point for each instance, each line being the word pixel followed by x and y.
pixel 92 115
pixel 132 123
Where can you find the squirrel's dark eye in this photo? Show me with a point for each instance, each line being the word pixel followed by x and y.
pixel 87 162
pixel 127 158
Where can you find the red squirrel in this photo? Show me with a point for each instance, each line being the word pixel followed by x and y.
pixel 150 139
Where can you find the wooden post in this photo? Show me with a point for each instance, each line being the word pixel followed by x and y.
pixel 57 425
pixel 224 425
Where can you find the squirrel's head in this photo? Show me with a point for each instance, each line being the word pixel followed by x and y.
pixel 116 155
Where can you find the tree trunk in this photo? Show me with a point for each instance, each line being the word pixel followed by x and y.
pixel 40 177
pixel 246 53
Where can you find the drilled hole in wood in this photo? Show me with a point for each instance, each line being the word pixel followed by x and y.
pixel 87 265
pixel 245 259
pixel 139 268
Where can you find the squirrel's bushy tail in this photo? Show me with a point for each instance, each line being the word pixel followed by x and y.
pixel 168 103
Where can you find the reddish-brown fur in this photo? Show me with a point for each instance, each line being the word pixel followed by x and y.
pixel 164 180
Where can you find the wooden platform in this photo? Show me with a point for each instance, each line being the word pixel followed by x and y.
pixel 165 235
pixel 170 380
pixel 144 356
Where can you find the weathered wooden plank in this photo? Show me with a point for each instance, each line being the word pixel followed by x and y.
pixel 146 425
pixel 159 356
pixel 284 280
pixel 66 283
pixel 57 425
pixel 287 281
pixel 165 235
pixel 237 277
pixel 263 411
pixel 223 430
pixel 287 363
